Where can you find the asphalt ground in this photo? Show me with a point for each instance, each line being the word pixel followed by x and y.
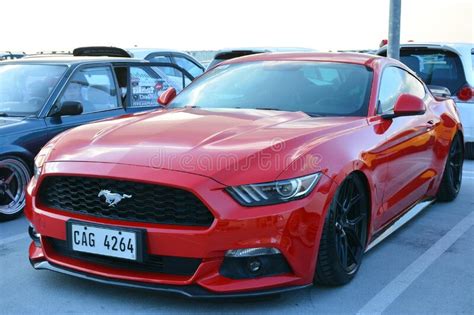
pixel 426 267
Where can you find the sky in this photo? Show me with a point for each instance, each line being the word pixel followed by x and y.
pixel 35 25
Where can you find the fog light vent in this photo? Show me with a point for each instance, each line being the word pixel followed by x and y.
pixel 252 252
pixel 253 262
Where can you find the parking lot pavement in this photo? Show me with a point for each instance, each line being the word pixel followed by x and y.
pixel 424 268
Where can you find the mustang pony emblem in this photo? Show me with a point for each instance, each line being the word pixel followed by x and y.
pixel 112 198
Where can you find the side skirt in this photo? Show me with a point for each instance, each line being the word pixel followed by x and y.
pixel 399 222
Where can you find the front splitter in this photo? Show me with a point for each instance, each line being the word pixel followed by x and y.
pixel 191 291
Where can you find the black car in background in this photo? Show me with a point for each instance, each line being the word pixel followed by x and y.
pixel 41 97
pixel 231 53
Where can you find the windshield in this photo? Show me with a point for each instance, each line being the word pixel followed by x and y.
pixel 24 88
pixel 316 88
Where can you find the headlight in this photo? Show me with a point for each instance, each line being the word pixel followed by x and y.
pixel 274 192
pixel 40 159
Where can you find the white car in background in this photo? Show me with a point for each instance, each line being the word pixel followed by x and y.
pixel 446 65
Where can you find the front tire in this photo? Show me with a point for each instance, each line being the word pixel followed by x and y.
pixel 452 177
pixel 344 234
pixel 14 176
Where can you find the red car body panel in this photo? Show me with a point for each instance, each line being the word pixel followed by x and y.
pixel 402 161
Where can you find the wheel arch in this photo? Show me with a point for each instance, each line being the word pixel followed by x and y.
pixel 368 191
pixel 20 153
pixel 461 134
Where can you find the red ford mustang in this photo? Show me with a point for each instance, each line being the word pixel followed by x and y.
pixel 267 174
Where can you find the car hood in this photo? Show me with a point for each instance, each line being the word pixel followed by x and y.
pixel 231 146
pixel 12 125
pixel 6 121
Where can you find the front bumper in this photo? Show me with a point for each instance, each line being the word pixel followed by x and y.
pixel 192 291
pixel 294 228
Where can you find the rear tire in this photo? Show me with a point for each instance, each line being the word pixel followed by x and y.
pixel 345 226
pixel 452 176
pixel 469 154
pixel 14 176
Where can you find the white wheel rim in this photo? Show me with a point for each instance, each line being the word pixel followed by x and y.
pixel 14 177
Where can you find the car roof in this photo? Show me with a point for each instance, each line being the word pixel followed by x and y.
pixel 143 52
pixel 70 60
pixel 356 58
pixel 434 45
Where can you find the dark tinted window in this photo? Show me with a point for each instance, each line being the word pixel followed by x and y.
pixel 189 66
pixel 164 59
pixel 147 86
pixel 396 81
pixel 435 67
pixel 223 56
pixel 312 87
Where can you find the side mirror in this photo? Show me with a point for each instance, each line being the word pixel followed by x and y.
pixel 69 108
pixel 167 96
pixel 407 105
pixel 439 91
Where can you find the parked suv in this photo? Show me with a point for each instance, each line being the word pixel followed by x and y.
pixel 41 97
pixel 446 66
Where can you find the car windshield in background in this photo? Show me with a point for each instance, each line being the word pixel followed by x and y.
pixel 316 88
pixel 24 88
pixel 436 67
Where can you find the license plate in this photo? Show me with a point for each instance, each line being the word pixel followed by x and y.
pixel 105 241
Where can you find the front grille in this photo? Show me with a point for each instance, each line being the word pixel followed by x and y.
pixel 180 266
pixel 147 203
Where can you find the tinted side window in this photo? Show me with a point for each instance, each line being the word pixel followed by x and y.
pixel 94 88
pixel 413 86
pixel 188 65
pixel 164 59
pixel 396 81
pixel 391 86
pixel 147 85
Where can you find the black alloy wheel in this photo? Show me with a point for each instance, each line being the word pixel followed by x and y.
pixel 344 234
pixel 452 177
